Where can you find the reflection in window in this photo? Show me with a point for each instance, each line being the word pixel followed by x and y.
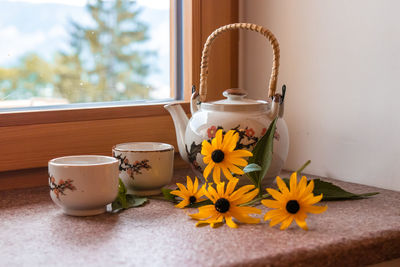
pixel 76 51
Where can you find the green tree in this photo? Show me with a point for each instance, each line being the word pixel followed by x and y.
pixel 27 79
pixel 106 63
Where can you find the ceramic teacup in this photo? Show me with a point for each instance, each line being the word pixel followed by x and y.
pixel 83 185
pixel 145 167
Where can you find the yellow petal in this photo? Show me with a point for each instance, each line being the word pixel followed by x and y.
pixel 236 161
pixel 213 193
pixel 207 194
pixel 179 194
pixel 240 153
pixel 278 219
pixel 230 140
pixel 281 185
pixel 217 221
pixel 274 213
pixel 182 204
pixel 230 187
pixel 204 212
pixel 189 184
pixel 234 169
pixel 275 194
pixel 215 218
pixel 196 185
pixel 245 218
pixel 301 223
pixel 198 195
pixel 213 221
pixel 301 215
pixel 271 203
pixel 220 189
pixel 246 197
pixel 286 223
pixel 217 174
pixel 316 209
pixel 201 223
pixel 230 222
pixel 182 188
pixel 207 159
pixel 301 187
pixel 239 193
pixel 293 182
pixel 308 190
pixel 208 169
pixel 206 148
pixel 312 200
pixel 218 138
pixel 227 174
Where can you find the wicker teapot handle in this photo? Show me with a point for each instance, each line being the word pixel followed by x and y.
pixel 246 26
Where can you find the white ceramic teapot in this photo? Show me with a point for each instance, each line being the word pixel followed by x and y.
pixel 250 118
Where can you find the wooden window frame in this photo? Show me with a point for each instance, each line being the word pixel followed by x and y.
pixel 29 139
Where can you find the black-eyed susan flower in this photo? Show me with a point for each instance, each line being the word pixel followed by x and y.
pixel 221 155
pixel 292 204
pixel 189 195
pixel 226 205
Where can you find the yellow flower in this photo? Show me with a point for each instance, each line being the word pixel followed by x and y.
pixel 292 204
pixel 190 195
pixel 220 155
pixel 226 205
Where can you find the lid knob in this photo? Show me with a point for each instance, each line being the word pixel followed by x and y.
pixel 235 94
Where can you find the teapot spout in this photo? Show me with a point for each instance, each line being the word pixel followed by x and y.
pixel 180 121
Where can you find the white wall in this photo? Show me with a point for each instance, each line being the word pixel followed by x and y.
pixel 340 60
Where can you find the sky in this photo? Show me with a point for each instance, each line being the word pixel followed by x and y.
pixel 36 29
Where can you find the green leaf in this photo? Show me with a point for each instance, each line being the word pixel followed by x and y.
pixel 135 201
pixel 126 201
pixel 334 192
pixel 200 204
pixel 262 154
pixel 116 206
pixel 331 192
pixel 121 198
pixel 167 194
pixel 252 168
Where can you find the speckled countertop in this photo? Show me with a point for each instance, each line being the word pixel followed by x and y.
pixel 34 231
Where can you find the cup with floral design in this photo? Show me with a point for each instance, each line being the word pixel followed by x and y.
pixel 83 185
pixel 145 167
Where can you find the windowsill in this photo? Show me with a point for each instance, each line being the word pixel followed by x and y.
pixel 83 112
pixel 351 233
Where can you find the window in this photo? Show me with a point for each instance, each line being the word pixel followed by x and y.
pixel 84 51
pixel 29 139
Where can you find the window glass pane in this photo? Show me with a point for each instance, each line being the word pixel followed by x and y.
pixel 79 51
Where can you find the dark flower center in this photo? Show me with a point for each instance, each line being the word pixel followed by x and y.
pixel 292 206
pixel 217 156
pixel 222 205
pixel 192 199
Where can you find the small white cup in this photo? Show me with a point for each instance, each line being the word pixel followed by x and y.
pixel 83 185
pixel 145 167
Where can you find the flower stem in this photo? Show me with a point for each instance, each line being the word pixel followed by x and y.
pixel 303 167
pixel 254 201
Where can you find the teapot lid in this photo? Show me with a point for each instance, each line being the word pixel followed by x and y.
pixel 236 101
